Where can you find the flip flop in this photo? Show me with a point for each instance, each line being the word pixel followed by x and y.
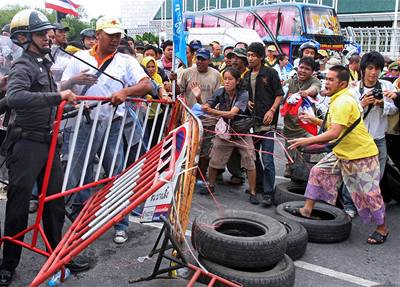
pixel 377 237
pixel 295 212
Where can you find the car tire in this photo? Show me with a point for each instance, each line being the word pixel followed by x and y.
pixel 289 191
pixel 239 239
pixel 297 237
pixel 280 275
pixel 334 225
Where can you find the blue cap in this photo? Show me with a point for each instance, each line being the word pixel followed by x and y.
pixel 203 53
pixel 195 44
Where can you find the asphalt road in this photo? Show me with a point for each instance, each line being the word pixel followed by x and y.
pixel 350 263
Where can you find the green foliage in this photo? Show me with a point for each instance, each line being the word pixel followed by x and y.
pixel 149 37
pixel 75 24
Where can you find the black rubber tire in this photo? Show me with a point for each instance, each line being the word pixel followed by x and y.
pixel 297 237
pixel 335 229
pixel 239 239
pixel 289 191
pixel 281 275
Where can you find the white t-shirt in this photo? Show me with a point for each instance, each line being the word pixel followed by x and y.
pixel 123 67
pixel 377 118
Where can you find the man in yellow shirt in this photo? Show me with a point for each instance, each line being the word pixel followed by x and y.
pixel 353 160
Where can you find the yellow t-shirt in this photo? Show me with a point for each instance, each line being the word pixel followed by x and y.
pixel 345 110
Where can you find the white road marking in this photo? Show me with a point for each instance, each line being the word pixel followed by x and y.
pixel 301 264
pixel 335 274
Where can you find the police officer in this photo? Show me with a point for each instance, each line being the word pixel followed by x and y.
pixel 88 38
pixel 32 95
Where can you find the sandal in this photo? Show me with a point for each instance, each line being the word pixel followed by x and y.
pixel 295 212
pixel 377 237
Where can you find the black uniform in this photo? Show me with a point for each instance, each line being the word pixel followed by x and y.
pixel 32 96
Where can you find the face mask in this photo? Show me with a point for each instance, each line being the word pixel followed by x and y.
pixel 321 62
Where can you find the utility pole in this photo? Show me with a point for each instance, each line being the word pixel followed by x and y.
pixel 395 47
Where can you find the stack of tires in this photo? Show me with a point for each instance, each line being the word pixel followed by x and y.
pixel 247 247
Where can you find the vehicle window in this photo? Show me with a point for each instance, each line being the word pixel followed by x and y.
pixel 198 20
pixel 209 21
pixel 270 17
pixel 289 17
pixel 230 15
pixel 245 19
pixel 321 21
pixel 189 23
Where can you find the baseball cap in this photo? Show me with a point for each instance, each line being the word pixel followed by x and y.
pixel 323 53
pixel 203 53
pixel 271 48
pixel 393 66
pixel 195 44
pixel 109 25
pixel 139 44
pixel 60 26
pixel 239 52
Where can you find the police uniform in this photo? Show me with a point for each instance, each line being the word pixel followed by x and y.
pixel 33 97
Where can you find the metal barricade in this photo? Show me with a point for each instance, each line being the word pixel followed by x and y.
pixel 148 168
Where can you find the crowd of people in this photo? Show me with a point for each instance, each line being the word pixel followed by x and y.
pixel 239 92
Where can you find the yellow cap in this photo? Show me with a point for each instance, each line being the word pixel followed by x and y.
pixel 323 53
pixel 109 25
pixel 271 48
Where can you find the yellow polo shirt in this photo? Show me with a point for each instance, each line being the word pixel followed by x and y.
pixel 345 110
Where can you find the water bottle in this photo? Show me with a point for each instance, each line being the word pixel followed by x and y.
pixel 55 280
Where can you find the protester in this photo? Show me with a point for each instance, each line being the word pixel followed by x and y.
pixel 300 87
pixel 227 62
pixel 190 52
pixel 271 59
pixel 61 59
pixel 282 61
pixel 354 67
pixel 209 80
pixel 216 58
pixel 231 102
pixel 88 38
pixel 242 45
pixel 32 95
pixel 265 95
pixel 166 60
pixel 323 58
pixel 354 160
pixel 307 50
pixel 5 31
pixel 151 65
pixel 136 83
pixel 239 62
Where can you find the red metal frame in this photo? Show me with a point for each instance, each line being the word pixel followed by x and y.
pixel 153 173
pixel 36 227
pixel 214 278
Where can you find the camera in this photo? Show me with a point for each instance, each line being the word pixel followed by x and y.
pixel 377 93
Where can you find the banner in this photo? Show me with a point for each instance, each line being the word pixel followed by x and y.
pixel 179 37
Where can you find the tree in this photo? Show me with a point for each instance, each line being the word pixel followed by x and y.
pixel 76 24
pixel 149 37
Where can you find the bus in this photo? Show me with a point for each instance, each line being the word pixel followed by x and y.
pixel 287 25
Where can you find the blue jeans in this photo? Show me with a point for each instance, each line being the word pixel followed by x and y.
pixel 80 154
pixel 381 145
pixel 265 169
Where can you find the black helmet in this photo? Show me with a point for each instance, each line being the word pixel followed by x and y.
pixel 6 28
pixel 309 45
pixel 88 32
pixel 28 21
